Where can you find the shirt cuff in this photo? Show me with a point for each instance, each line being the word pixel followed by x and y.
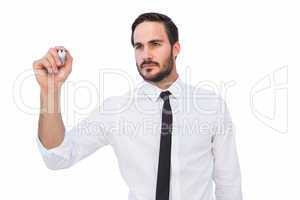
pixel 58 150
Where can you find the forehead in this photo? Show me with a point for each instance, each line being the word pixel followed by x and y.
pixel 147 31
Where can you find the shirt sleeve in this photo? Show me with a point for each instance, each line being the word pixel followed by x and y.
pixel 227 175
pixel 82 140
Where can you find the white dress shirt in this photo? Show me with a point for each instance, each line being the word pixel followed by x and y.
pixel 204 162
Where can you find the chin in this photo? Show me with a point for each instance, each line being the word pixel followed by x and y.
pixel 149 77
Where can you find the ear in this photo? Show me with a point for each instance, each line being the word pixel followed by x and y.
pixel 176 49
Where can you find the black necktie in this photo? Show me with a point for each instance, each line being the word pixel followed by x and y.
pixel 163 175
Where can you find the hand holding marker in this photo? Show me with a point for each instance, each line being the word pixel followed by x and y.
pixel 56 65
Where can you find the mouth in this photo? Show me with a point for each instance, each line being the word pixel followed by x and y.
pixel 148 65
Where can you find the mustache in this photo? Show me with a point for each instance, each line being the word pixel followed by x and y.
pixel 149 62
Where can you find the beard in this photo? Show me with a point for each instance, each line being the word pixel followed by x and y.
pixel 165 71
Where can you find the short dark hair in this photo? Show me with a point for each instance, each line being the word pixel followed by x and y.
pixel 170 27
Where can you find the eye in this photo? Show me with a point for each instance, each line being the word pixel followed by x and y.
pixel 137 46
pixel 156 44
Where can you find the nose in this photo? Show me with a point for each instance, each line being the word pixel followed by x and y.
pixel 147 54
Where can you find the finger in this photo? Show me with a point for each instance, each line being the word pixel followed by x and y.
pixel 47 65
pixel 69 58
pixel 38 68
pixel 53 52
pixel 40 72
pixel 41 65
pixel 37 64
pixel 51 60
pixel 60 47
pixel 68 62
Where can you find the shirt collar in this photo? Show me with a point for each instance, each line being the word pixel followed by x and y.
pixel 153 92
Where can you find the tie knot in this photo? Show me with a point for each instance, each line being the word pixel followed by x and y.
pixel 165 95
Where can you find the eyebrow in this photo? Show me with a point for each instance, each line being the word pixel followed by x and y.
pixel 151 41
pixel 156 40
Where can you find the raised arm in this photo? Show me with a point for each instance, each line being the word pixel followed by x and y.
pixel 51 73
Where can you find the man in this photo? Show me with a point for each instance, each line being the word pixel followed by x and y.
pixel 182 142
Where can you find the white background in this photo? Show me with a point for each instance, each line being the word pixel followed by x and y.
pixel 245 43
